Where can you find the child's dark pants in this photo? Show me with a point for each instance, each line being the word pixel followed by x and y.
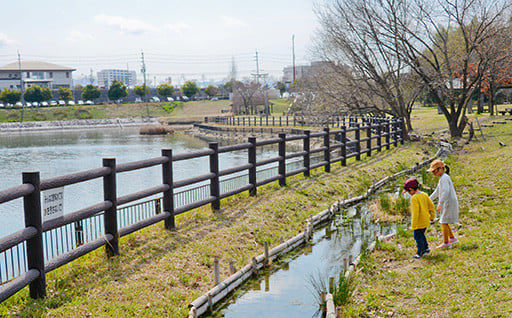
pixel 421 241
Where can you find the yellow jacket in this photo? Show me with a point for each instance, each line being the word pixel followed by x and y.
pixel 422 211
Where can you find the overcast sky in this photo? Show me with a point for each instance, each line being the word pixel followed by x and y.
pixel 184 39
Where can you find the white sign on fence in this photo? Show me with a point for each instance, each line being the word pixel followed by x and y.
pixel 53 204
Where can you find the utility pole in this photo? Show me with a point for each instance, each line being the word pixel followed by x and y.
pixel 22 99
pixel 257 68
pixel 143 70
pixel 21 79
pixel 293 56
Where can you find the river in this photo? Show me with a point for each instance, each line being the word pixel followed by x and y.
pixel 59 153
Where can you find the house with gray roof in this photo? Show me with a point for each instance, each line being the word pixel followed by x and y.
pixel 43 74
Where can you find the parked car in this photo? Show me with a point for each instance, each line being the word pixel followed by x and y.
pixel 44 103
pixel 1 105
pixel 170 99
pixel 53 103
pixel 215 98
pixel 80 102
pixel 62 103
pixel 155 99
pixel 71 102
pixel 89 102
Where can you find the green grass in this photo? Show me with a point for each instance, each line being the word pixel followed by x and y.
pixel 159 273
pixel 473 279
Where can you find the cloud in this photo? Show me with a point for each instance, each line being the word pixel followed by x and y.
pixel 130 26
pixel 233 21
pixel 76 36
pixel 178 27
pixel 5 40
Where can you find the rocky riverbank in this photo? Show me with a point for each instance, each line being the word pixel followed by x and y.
pixel 76 124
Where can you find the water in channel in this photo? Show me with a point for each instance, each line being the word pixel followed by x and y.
pixel 60 153
pixel 291 286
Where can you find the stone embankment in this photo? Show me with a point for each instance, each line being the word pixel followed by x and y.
pixel 76 124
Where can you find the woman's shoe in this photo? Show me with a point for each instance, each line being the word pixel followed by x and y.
pixel 454 240
pixel 444 245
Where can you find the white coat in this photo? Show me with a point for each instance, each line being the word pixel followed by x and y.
pixel 447 199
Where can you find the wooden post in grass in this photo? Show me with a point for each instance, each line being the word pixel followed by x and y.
pixel 214 182
pixel 110 215
pixel 216 270
pixel 33 219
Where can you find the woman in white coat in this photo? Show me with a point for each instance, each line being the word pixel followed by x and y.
pixel 447 202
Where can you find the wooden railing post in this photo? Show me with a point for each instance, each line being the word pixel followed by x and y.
pixel 358 139
pixel 395 132
pixel 214 182
pixel 369 141
pixel 35 257
pixel 379 139
pixel 343 145
pixel 327 151
pixel 110 215
pixel 402 131
pixel 282 160
pixel 168 199
pixel 388 133
pixel 307 149
pixel 252 170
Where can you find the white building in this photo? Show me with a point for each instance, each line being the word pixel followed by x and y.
pixel 303 71
pixel 106 77
pixel 35 73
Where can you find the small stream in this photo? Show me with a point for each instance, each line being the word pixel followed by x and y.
pixel 291 286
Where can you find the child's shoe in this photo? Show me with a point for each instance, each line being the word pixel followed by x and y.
pixel 427 251
pixel 444 245
pixel 453 241
pixel 416 256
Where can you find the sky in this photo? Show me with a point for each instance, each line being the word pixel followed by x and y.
pixel 183 40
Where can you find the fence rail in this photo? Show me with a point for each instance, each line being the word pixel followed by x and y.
pixel 28 254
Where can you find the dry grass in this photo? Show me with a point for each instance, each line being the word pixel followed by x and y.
pixel 159 273
pixel 473 279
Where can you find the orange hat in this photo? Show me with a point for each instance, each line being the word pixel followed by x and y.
pixel 435 164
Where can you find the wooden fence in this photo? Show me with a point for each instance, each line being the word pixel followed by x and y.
pixel 336 148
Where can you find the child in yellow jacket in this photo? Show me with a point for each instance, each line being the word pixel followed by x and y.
pixel 422 212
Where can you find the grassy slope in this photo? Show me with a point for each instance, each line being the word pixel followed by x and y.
pixel 473 279
pixel 159 273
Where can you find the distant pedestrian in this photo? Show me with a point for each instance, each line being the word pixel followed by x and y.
pixel 447 202
pixel 422 212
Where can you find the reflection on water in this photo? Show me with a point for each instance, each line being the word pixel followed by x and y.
pixel 286 289
pixel 55 154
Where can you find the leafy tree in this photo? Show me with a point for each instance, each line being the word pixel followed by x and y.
pixel 47 93
pixel 228 86
pixel 140 91
pixel 165 90
pixel 65 93
pixel 189 89
pixel 90 92
pixel 281 87
pixel 117 91
pixel 10 96
pixel 37 94
pixel 212 90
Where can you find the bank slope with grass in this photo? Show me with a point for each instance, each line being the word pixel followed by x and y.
pixel 159 272
pixel 472 279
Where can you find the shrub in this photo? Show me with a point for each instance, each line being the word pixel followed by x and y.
pixel 12 117
pixel 342 290
pixel 83 114
pixel 60 115
pixel 39 116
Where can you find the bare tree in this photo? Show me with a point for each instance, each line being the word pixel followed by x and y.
pixel 359 39
pixel 389 51
pixel 443 47
pixel 244 94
